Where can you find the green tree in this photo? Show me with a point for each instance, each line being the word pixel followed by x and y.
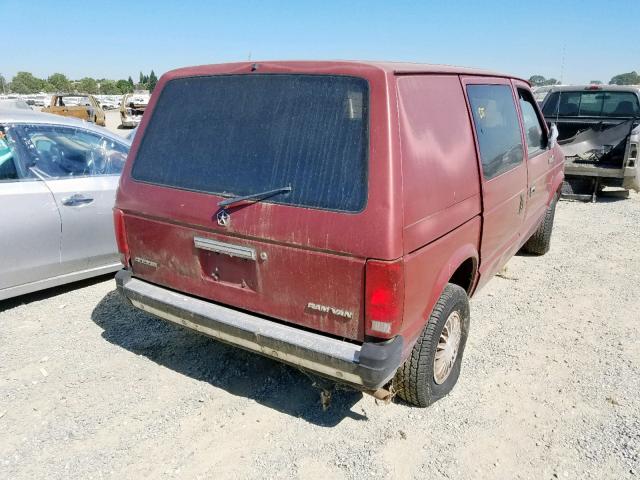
pixel 88 85
pixel 3 84
pixel 109 87
pixel 25 82
pixel 144 80
pixel 130 81
pixel 537 80
pixel 153 81
pixel 60 82
pixel 49 87
pixel 124 86
pixel 595 82
pixel 631 78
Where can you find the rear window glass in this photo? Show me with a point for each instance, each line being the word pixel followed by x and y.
pixel 243 134
pixel 592 103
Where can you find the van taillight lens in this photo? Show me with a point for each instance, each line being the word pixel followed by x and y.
pixel 121 236
pixel 384 298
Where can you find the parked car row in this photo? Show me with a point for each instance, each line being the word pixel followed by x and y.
pixel 336 216
pixel 86 107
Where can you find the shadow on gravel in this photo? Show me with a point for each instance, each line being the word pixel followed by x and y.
pixel 237 371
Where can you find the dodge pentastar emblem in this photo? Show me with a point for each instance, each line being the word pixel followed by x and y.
pixel 223 218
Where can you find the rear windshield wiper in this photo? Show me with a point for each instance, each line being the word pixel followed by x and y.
pixel 254 196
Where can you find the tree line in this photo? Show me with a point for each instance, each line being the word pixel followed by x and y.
pixel 631 78
pixel 27 83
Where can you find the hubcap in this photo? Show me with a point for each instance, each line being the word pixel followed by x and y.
pixel 447 349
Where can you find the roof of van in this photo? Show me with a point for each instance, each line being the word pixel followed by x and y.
pixel 396 68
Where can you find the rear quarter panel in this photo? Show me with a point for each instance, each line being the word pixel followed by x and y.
pixel 441 191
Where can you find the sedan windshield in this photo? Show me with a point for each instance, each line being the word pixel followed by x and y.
pixel 61 151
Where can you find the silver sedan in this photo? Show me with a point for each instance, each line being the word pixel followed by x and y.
pixel 58 179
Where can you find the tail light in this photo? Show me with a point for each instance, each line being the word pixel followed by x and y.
pixel 121 236
pixel 384 298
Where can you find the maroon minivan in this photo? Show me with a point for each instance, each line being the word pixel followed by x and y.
pixel 335 216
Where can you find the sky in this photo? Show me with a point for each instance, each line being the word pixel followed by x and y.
pixel 575 41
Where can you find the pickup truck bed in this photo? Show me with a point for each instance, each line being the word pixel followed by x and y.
pixel 599 131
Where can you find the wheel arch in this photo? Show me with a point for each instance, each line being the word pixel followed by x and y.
pixel 461 269
pixel 464 276
pixel 452 258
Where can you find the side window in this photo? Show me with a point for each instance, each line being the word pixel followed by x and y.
pixel 497 127
pixel 8 170
pixel 534 132
pixel 63 152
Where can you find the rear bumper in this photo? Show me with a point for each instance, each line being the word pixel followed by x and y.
pixel 367 366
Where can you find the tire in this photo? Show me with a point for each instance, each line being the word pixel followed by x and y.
pixel 540 242
pixel 415 381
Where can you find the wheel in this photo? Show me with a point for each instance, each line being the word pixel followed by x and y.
pixel 540 241
pixel 433 367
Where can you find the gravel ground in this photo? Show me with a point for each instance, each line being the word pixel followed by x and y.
pixel 90 388
pixel 112 122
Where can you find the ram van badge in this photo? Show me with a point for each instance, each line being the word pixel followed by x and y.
pixel 145 261
pixel 325 309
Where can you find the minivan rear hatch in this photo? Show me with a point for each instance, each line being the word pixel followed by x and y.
pixel 298 146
